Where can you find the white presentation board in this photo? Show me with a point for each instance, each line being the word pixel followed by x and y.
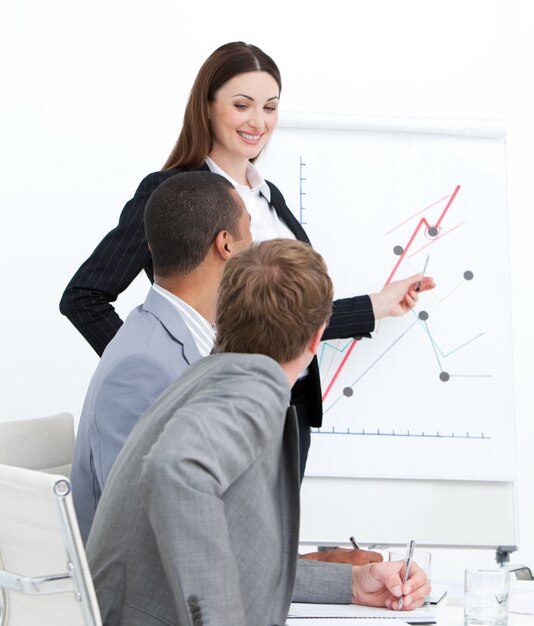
pixel 430 396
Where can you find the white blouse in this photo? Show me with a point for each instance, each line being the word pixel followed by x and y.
pixel 265 223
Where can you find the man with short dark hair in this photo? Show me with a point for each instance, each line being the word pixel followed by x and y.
pixel 199 520
pixel 194 222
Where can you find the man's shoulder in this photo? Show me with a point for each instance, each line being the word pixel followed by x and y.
pixel 151 349
pixel 141 344
pixel 227 404
pixel 235 378
pixel 246 368
pixel 135 336
pixel 149 327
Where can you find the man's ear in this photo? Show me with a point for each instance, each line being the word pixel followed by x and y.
pixel 316 339
pixel 223 243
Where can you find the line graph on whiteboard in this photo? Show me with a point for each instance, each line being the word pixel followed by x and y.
pixel 333 356
pixel 435 384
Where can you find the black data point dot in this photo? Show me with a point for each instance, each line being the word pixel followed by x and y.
pixel 398 250
pixel 468 275
pixel 423 315
pixel 432 231
pixel 348 392
pixel 444 377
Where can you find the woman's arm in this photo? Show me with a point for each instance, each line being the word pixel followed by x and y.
pixel 351 317
pixel 110 269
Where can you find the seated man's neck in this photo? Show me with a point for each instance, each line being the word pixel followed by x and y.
pixel 196 288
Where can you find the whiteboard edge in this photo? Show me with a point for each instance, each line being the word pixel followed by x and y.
pixel 462 127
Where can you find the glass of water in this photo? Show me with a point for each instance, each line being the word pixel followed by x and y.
pixel 486 597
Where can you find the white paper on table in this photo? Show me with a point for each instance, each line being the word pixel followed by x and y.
pixel 361 621
pixel 522 597
pixel 437 592
pixel 304 610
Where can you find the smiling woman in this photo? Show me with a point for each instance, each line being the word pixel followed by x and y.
pixel 230 116
pixel 243 116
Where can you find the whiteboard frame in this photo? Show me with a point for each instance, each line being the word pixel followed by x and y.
pixel 390 511
pixel 456 127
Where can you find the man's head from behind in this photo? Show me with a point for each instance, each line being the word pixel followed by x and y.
pixel 273 299
pixel 186 214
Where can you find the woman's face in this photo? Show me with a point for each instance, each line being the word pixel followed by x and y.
pixel 243 116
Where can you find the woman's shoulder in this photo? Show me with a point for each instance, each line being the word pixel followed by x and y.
pixel 153 180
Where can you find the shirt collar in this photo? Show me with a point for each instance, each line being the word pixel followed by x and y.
pixel 255 179
pixel 184 305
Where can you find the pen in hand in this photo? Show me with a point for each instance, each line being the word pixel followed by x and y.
pixel 407 563
pixel 420 283
pixel 354 544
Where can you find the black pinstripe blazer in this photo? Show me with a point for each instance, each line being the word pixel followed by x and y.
pixel 123 253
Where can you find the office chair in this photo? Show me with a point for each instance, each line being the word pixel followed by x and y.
pixel 44 576
pixel 43 443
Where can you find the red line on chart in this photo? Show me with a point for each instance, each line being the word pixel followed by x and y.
pixel 416 214
pixel 440 236
pixel 421 223
pixel 336 373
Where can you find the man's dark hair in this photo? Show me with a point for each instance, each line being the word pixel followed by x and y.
pixel 184 215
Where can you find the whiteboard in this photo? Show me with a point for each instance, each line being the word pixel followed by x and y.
pixel 436 513
pixel 430 396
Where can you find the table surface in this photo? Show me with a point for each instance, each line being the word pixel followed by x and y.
pixel 450 611
pixel 452 614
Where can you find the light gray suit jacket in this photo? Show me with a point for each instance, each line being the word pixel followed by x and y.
pixel 199 520
pixel 151 349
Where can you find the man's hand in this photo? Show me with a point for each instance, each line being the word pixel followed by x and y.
pixel 344 555
pixel 401 296
pixel 380 584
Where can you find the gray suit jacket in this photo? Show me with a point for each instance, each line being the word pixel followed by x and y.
pixel 199 520
pixel 151 349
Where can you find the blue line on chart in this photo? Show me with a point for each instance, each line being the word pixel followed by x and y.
pixel 424 325
pixel 435 349
pixel 331 345
pixel 445 354
pixel 302 193
pixel 435 345
pixel 372 364
pixel 421 435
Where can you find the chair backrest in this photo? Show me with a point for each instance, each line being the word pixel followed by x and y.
pixel 44 576
pixel 43 443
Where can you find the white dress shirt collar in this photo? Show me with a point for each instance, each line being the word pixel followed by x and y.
pixel 202 331
pixel 256 182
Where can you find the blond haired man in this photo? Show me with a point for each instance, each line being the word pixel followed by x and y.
pixel 198 523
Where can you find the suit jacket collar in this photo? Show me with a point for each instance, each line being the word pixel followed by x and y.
pixel 171 319
pixel 285 214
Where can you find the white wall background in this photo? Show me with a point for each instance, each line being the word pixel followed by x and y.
pixel 92 100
